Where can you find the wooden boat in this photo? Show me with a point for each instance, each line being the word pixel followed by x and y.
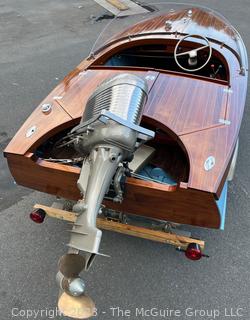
pixel 195 66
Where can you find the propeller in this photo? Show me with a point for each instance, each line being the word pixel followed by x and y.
pixel 81 307
pixel 72 301
pixel 71 264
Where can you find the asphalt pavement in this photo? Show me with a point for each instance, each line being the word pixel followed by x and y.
pixel 40 42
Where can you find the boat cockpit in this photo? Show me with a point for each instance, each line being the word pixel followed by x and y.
pixel 161 56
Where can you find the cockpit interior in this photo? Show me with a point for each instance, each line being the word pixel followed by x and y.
pixel 204 61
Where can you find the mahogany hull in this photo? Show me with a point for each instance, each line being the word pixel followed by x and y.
pixel 201 114
pixel 149 199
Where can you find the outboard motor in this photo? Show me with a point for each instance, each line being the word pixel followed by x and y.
pixel 107 136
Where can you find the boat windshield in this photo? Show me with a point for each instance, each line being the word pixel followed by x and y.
pixel 116 27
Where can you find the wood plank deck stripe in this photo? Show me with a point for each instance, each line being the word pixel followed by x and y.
pixel 118 4
pixel 122 7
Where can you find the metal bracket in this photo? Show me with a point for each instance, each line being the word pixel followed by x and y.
pixel 228 90
pixel 242 71
pixel 144 134
pixel 176 240
pixel 226 122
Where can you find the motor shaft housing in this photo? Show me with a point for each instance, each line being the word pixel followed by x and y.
pixel 109 135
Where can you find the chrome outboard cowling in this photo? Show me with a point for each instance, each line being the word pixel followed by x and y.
pixel 124 95
pixel 112 114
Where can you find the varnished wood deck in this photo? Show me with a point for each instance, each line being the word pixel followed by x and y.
pixel 203 115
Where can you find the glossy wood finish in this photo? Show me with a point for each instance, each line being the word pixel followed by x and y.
pixel 189 108
pixel 183 206
pixel 201 21
pixel 48 177
pixel 53 122
pixel 186 111
pixel 189 115
pixel 75 98
pixel 141 197
pixel 68 101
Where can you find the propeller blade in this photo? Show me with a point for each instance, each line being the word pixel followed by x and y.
pixel 81 307
pixel 70 265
